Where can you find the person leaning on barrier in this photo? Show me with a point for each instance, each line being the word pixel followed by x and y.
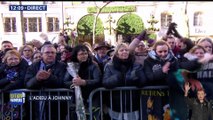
pixel 119 72
pixel 46 73
pixel 89 74
pixel 101 56
pixel 12 71
pixel 160 67
pixel 204 75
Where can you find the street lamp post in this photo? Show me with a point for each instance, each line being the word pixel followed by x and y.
pixel 71 30
pixel 152 23
pixel 110 20
pixel 67 24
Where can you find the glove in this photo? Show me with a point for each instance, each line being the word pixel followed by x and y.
pixel 150 42
pixel 176 34
pixel 142 35
pixel 171 27
pixel 172 30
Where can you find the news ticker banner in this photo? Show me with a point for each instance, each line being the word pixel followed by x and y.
pixel 27 7
pixel 19 98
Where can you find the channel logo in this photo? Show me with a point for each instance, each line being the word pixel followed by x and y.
pixel 17 98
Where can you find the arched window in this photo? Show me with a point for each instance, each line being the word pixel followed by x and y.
pixel 166 19
pixel 198 19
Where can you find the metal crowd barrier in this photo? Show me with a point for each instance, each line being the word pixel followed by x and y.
pixel 59 100
pixel 26 110
pixel 101 92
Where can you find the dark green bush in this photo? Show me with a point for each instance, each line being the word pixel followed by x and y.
pixel 85 25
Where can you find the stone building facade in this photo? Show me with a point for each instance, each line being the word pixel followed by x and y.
pixel 197 14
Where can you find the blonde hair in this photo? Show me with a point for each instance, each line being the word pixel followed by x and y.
pixel 193 49
pixel 9 53
pixel 119 46
pixel 88 46
pixel 205 39
pixel 160 42
pixel 25 46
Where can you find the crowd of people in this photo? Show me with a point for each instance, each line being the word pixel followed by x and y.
pixel 44 65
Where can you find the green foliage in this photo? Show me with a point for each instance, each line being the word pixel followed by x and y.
pixel 85 25
pixel 114 9
pixel 130 24
pixel 153 36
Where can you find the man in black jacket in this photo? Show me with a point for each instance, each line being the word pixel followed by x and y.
pixel 44 74
pixel 47 73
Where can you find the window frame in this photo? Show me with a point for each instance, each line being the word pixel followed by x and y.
pixel 54 22
pixel 28 24
pixel 12 24
pixel 166 19
pixel 198 19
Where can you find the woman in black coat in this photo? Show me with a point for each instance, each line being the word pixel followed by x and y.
pixel 88 76
pixel 12 71
pixel 123 71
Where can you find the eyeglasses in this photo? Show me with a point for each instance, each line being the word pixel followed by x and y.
pixel 48 53
pixel 141 46
pixel 207 46
pixel 27 50
pixel 38 57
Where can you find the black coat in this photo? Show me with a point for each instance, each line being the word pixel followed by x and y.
pixel 18 83
pixel 153 68
pixel 120 74
pixel 101 64
pixel 55 80
pixel 90 72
